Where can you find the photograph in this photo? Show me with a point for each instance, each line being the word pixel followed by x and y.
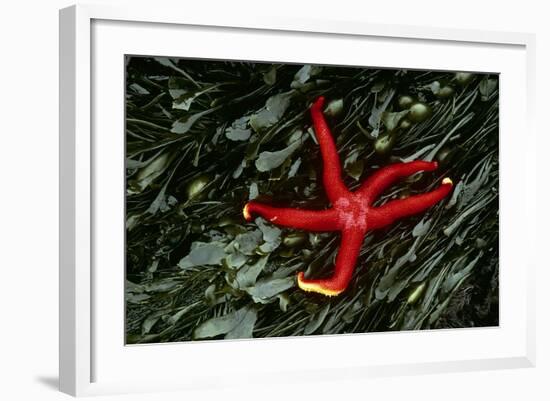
pixel 255 201
pixel 272 199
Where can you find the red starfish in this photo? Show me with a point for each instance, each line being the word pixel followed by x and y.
pixel 351 213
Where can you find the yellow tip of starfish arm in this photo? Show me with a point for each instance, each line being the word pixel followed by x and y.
pixel 313 287
pixel 246 212
pixel 447 180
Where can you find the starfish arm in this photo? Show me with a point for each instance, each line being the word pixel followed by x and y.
pixel 399 208
pixel 343 268
pixel 332 172
pixel 312 220
pixel 386 176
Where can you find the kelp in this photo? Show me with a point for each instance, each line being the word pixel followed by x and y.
pixel 203 137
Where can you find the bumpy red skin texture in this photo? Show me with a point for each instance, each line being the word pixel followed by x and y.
pixel 351 213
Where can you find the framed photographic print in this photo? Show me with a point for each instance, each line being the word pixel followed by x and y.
pixel 342 187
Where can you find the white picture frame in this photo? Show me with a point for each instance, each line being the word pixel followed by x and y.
pixel 92 355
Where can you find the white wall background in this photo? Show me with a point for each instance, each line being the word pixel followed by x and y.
pixel 29 186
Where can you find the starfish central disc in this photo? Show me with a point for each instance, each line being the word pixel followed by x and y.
pixel 351 213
